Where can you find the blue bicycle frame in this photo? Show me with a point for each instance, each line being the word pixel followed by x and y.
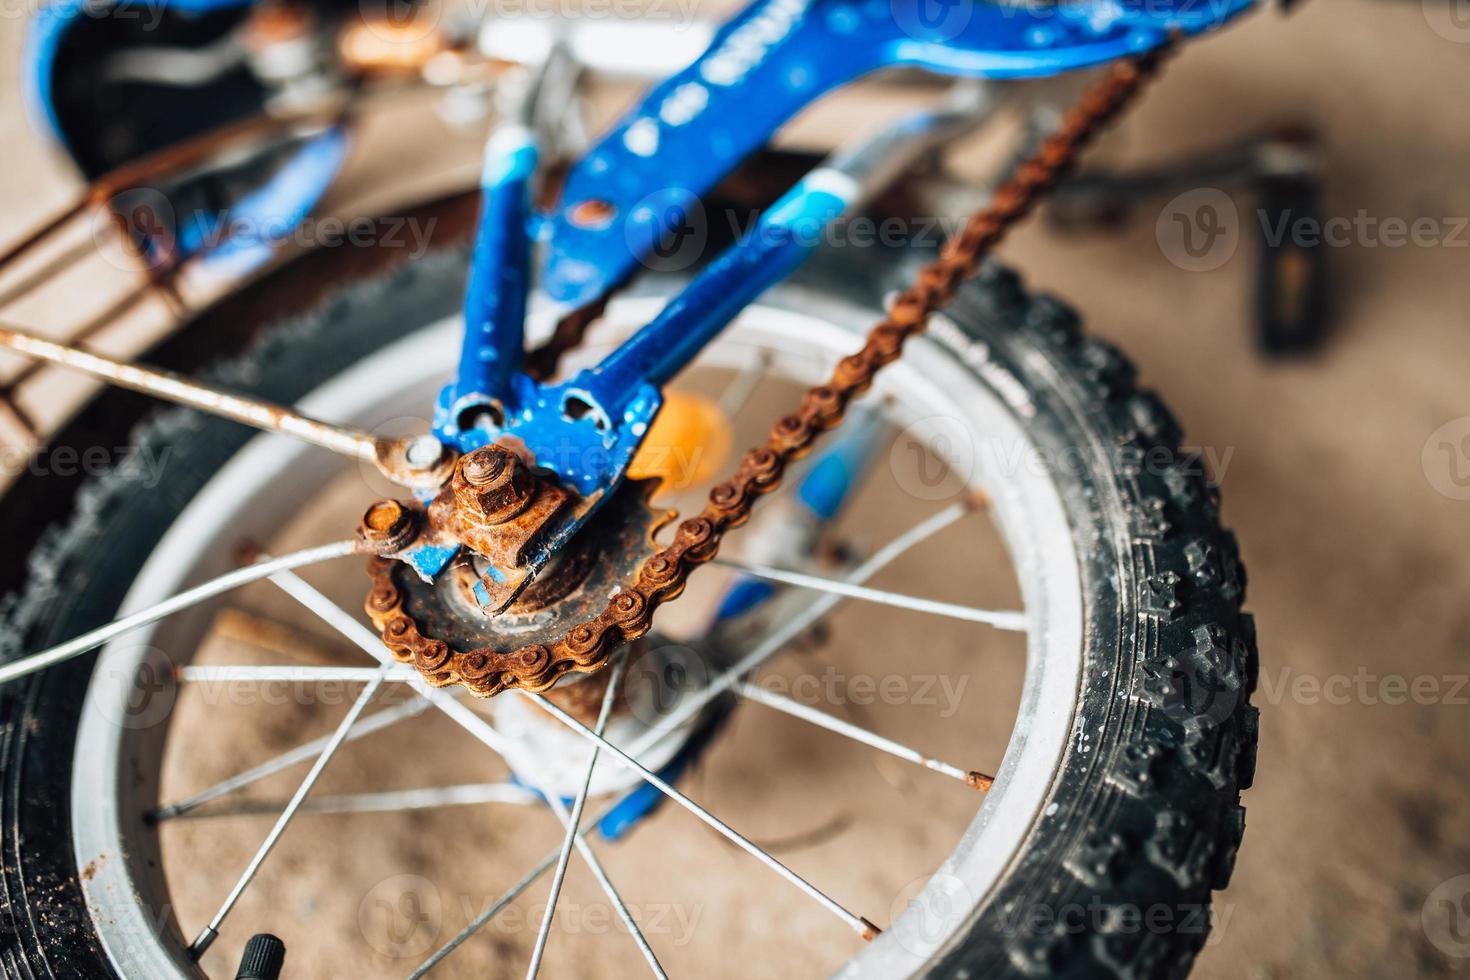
pixel 633 195
pixel 644 179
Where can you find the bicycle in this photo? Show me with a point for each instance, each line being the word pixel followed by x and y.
pixel 530 543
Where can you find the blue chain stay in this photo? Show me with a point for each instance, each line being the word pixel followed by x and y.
pixel 776 57
pixel 647 175
pixel 763 66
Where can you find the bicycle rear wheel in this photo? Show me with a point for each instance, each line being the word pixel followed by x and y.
pixel 1122 740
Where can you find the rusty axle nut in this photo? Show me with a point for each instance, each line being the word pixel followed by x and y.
pixel 592 213
pixel 492 485
pixel 388 526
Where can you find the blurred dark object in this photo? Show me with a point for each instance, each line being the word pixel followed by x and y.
pixel 114 88
pixel 1282 172
pixel 263 958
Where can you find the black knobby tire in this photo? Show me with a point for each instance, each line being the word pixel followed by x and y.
pixel 1139 829
pixel 1143 825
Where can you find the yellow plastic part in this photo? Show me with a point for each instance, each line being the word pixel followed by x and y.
pixel 688 443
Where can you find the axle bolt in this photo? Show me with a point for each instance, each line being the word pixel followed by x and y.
pixel 388 526
pixel 484 469
pixel 493 485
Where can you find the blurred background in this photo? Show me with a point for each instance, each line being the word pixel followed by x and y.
pixel 1343 455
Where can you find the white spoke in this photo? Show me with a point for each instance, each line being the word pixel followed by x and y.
pixel 392 801
pixel 796 709
pixel 208 590
pixel 585 850
pixel 372 644
pixel 573 824
pixel 372 723
pixel 211 931
pixel 511 895
pixel 743 385
pixel 460 713
pixel 772 643
pixel 292 674
pixel 778 638
pixel 858 924
pixel 999 618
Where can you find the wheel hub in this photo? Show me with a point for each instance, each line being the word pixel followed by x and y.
pixel 441 628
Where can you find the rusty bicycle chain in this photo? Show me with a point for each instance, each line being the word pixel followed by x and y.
pixel 662 576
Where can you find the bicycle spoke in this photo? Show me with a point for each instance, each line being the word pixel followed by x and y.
pixel 773 642
pixel 743 385
pixel 585 850
pixel 515 891
pixel 1000 619
pixel 211 932
pixel 457 712
pixel 208 590
pixel 796 709
pixel 371 644
pixel 778 638
pixel 573 825
pixel 857 923
pixel 392 801
pixel 372 723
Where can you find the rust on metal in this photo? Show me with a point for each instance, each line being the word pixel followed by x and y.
pixel 980 781
pixel 440 628
pixel 661 577
pixel 388 455
pixel 197 149
pixel 405 462
pixel 499 507
pixel 387 526
pixel 184 391
pixel 390 45
pixel 592 213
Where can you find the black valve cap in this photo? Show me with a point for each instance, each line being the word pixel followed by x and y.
pixel 264 955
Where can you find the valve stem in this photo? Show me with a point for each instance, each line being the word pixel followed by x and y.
pixel 263 958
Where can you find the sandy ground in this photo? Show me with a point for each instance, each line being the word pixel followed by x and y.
pixel 1346 492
